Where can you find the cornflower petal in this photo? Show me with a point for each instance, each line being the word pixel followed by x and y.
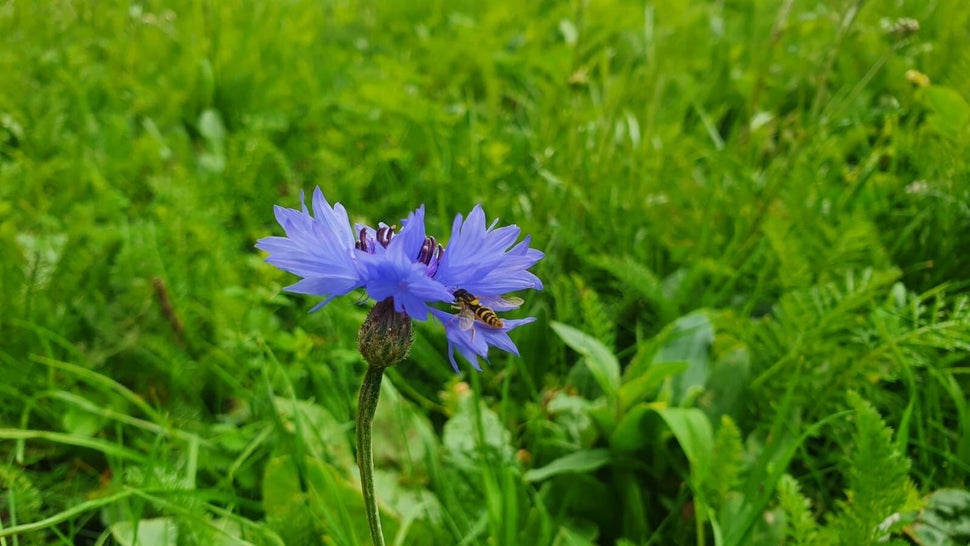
pixel 479 259
pixel 335 218
pixel 475 341
pixel 319 248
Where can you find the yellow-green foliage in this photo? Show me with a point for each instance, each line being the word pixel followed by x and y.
pixel 747 209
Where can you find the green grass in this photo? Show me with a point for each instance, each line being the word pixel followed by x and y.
pixel 755 327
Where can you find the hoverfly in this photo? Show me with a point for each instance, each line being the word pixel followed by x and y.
pixel 472 308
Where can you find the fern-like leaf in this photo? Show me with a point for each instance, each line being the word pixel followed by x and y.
pixel 20 495
pixel 801 529
pixel 597 320
pixel 639 281
pixel 728 451
pixel 877 478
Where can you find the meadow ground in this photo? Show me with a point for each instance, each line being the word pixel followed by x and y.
pixel 755 326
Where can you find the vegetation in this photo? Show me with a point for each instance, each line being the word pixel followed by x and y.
pixel 755 327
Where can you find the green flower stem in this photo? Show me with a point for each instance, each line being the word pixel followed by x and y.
pixel 370 392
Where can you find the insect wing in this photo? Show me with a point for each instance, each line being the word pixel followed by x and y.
pixel 500 303
pixel 466 318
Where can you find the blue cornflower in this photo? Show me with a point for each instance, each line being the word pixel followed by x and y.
pixel 484 262
pixel 409 268
pixel 322 249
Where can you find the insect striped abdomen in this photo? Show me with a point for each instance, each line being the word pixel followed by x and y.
pixel 468 303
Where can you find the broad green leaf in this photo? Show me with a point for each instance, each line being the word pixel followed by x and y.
pixel 80 422
pixel 635 511
pixel 635 388
pixel 951 113
pixel 399 426
pixel 285 503
pixel 211 126
pixel 304 501
pixel 571 413
pixel 727 383
pixel 689 340
pixel 461 433
pixel 603 415
pixel 568 31
pixel 146 532
pixel 225 532
pixel 569 537
pixel 629 434
pixel 601 362
pixel 946 518
pixel 575 463
pixel 323 435
pixel 693 431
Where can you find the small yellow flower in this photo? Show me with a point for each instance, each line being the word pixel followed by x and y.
pixel 917 78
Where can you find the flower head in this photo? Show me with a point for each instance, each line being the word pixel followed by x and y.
pixel 486 262
pixel 410 270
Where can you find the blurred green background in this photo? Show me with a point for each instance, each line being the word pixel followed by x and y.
pixel 756 219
